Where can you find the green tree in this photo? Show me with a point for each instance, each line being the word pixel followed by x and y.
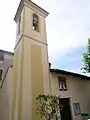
pixel 48 107
pixel 86 59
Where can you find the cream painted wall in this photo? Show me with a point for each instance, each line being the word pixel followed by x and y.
pixel 27 45
pixel 39 38
pixel 26 80
pixel 7 56
pixel 28 30
pixel 6 96
pixel 77 90
pixel 31 69
pixel 27 75
pixel 18 36
pixel 16 113
pixel 8 61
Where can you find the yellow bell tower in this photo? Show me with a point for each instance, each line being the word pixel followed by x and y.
pixel 31 67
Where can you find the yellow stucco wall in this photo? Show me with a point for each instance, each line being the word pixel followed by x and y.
pixel 36 76
pixel 28 31
pixel 30 66
pixel 17 86
pixel 39 38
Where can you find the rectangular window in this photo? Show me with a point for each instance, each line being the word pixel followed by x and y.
pixel 76 107
pixel 1 57
pixel 62 84
pixel 1 71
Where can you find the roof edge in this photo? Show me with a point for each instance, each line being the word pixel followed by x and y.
pixel 69 73
pixel 8 52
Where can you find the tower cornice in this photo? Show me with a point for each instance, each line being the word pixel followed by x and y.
pixel 32 5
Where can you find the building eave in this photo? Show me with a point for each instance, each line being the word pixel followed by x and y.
pixel 40 8
pixel 57 71
pixel 7 52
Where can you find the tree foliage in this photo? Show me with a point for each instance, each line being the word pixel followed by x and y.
pixel 86 59
pixel 48 107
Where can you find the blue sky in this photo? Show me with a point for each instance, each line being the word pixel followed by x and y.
pixel 68 29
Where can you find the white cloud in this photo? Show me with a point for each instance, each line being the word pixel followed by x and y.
pixel 68 24
pixel 7 24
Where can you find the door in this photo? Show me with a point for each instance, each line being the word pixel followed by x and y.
pixel 66 110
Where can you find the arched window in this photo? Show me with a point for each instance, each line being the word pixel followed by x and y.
pixel 35 22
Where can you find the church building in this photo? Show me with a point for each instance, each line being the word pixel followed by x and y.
pixel 30 73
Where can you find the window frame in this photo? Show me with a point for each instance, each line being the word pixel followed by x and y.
pixel 62 79
pixel 1 57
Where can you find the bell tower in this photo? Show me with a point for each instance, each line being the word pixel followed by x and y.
pixel 31 66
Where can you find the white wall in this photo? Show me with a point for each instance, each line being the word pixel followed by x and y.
pixel 78 90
